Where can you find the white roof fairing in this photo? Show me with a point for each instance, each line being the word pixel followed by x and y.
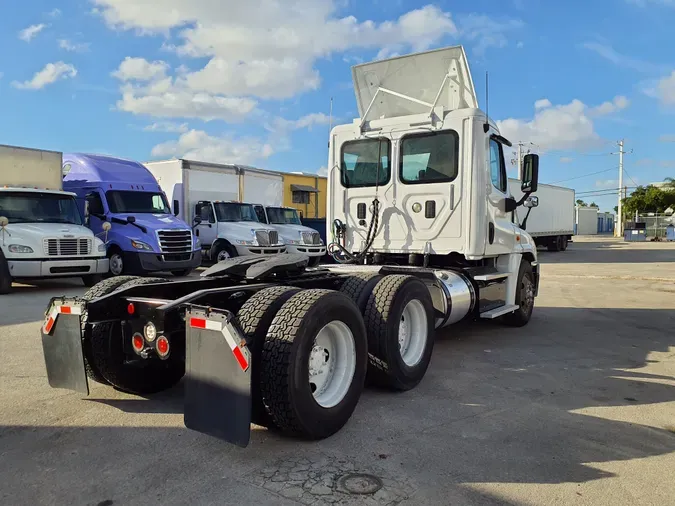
pixel 414 84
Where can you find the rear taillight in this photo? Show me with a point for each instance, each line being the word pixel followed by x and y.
pixel 162 347
pixel 131 309
pixel 137 342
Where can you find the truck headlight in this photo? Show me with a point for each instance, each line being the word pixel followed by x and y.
pixel 141 245
pixel 101 248
pixel 291 241
pixel 247 243
pixel 20 248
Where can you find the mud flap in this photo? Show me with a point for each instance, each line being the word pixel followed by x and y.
pixel 217 377
pixel 62 346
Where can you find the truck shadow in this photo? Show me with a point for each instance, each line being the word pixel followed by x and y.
pixel 608 253
pixel 556 402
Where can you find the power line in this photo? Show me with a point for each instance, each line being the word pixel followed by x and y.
pixel 602 190
pixel 585 175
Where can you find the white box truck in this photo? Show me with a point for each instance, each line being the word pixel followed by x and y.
pixel 207 195
pixel 42 233
pixel 551 223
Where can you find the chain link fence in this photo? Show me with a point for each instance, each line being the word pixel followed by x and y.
pixel 654 223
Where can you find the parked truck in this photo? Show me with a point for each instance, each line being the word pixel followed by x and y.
pixel 551 224
pixel 208 196
pixel 297 237
pixel 419 202
pixel 145 237
pixel 41 230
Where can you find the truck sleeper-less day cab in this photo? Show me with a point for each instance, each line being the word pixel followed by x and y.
pixel 42 234
pixel 297 237
pixel 145 236
pixel 421 217
pixel 209 196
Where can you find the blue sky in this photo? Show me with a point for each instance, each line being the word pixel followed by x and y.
pixel 252 81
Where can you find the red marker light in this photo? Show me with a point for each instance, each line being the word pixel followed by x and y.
pixel 162 346
pixel 131 309
pixel 137 342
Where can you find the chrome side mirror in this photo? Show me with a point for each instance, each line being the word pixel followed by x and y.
pixel 531 202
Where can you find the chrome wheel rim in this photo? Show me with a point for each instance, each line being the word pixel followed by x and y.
pixel 412 332
pixel 116 264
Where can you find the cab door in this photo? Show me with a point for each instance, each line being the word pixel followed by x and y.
pixel 207 230
pixel 500 234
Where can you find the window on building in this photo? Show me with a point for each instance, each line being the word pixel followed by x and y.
pixel 300 197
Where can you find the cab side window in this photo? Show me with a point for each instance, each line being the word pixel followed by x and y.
pixel 94 204
pixel 205 212
pixel 497 166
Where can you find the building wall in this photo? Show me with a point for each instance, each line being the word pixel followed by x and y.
pixel 316 207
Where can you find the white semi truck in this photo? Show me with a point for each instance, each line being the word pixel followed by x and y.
pixel 551 224
pixel 42 233
pixel 208 196
pixel 297 237
pixel 421 215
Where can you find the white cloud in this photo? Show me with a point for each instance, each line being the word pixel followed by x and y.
pixel 54 13
pixel 266 49
pixel 27 34
pixel 51 73
pixel 665 90
pixel 606 184
pixel 486 32
pixel 557 127
pixel 198 145
pixel 307 121
pixel 140 69
pixel 566 159
pixel 74 47
pixel 667 138
pixel 323 171
pixel 607 52
pixel 167 126
pixel 620 102
pixel 520 45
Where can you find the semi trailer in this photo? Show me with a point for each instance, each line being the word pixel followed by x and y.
pixel 551 225
pixel 420 208
pixel 42 233
pixel 211 197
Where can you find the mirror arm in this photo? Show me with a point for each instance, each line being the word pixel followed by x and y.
pixel 524 224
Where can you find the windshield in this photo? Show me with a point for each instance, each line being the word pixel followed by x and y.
pixel 137 202
pixel 363 161
pixel 233 211
pixel 35 207
pixel 283 216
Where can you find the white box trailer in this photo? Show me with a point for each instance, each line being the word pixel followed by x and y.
pixel 551 223
pixel 586 221
pixel 207 195
pixel 261 187
pixel 42 233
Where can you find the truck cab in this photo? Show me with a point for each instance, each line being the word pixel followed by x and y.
pixel 42 233
pixel 297 237
pixel 145 236
pixel 229 229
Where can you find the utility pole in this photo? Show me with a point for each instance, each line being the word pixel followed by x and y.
pixel 619 229
pixel 520 161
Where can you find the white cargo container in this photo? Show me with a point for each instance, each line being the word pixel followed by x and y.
pixel 261 186
pixel 551 223
pixel 586 221
pixel 42 233
pixel 207 196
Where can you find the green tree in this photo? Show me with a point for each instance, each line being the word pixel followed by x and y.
pixel 648 199
pixel 581 203
pixel 593 204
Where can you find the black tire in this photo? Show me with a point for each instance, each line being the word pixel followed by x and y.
pixel 564 244
pixel 314 261
pixel 524 297
pixel 383 314
pixel 91 280
pixel 181 273
pixel 114 250
pixel 358 287
pixel 98 290
pixel 255 318
pixel 5 277
pixel 554 244
pixel 286 390
pixel 223 246
pixel 139 377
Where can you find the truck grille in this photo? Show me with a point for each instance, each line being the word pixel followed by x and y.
pixel 67 247
pixel 175 241
pixel 267 238
pixel 311 238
